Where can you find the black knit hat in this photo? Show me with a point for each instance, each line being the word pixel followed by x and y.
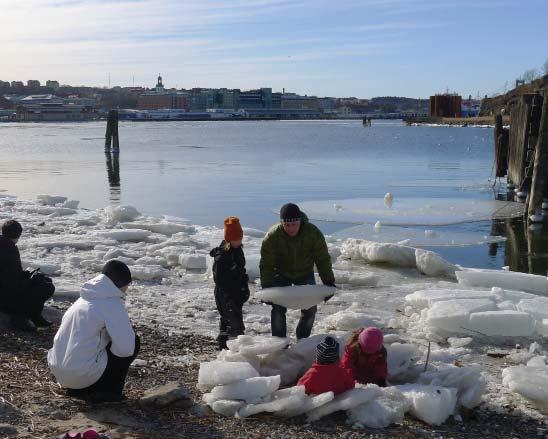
pixel 327 352
pixel 290 212
pixel 118 273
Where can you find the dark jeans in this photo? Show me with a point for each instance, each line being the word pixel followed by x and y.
pixel 113 379
pixel 231 323
pixel 277 315
pixel 29 303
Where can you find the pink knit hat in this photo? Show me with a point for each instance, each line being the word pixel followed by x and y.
pixel 371 340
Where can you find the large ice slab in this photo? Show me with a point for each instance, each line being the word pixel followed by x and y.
pixel 349 320
pixel 378 253
pixel 282 401
pixel 453 315
pixel 257 345
pixel 426 298
pixel 248 390
pixel 296 297
pixel 530 382
pixel 218 373
pixel 431 404
pixel 345 401
pixel 387 408
pixel 510 280
pixel 416 237
pixel 410 211
pixel 433 265
pixel 505 323
pixel 310 403
pixel 401 358
pixel 537 307
pixel 124 234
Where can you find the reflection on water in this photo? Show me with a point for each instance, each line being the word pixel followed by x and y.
pixel 113 175
pixel 526 248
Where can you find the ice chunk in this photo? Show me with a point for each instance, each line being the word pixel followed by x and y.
pixel 49 269
pixel 538 361
pixel 71 204
pixel 285 363
pixel 453 315
pixel 416 237
pixel 149 272
pixel 49 200
pixel 530 382
pixel 377 252
pixel 537 307
pixel 456 342
pixel 411 211
pixel 282 401
pixel 306 349
pixel 345 401
pixel 218 373
pixel 511 295
pixel 252 266
pixel 401 358
pixel 309 403
pixel 117 214
pixel 296 297
pixel 542 327
pixel 388 408
pixel 431 404
pixel 248 390
pixel 163 227
pixel 504 279
pixel 349 320
pixel 503 323
pixel 124 234
pixel 227 408
pixel 388 200
pixel 426 298
pixel 356 279
pixel 193 262
pixel 468 381
pixel 433 265
pixel 257 345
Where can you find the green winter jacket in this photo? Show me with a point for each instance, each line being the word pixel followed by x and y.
pixel 294 258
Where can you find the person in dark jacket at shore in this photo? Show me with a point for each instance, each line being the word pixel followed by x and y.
pixel 22 294
pixel 365 357
pixel 231 281
pixel 288 254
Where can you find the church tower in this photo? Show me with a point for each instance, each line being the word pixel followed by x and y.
pixel 159 85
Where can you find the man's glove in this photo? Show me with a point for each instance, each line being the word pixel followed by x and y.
pixel 328 297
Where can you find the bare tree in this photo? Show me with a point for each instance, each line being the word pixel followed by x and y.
pixel 530 75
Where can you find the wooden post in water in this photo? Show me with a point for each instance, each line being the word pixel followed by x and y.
pixel 111 135
pixel 540 170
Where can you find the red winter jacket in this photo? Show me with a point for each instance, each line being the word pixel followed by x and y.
pixel 366 368
pixel 321 378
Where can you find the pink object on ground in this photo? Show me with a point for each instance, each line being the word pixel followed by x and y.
pixel 90 434
pixel 371 340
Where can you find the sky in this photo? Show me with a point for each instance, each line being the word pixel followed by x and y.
pixel 361 48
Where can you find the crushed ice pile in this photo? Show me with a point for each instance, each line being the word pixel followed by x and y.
pixel 414 295
pixel 258 374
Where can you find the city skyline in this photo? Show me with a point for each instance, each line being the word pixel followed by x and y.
pixel 349 48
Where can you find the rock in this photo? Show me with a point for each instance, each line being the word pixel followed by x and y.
pixel 166 395
pixel 200 410
pixel 8 430
pixel 59 414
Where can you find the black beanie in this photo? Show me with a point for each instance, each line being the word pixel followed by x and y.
pixel 327 352
pixel 290 212
pixel 118 273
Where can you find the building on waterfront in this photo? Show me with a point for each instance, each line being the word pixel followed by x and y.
pixel 38 108
pixel 256 99
pixel 33 83
pixel 445 105
pixel 292 101
pixel 54 85
pixel 470 107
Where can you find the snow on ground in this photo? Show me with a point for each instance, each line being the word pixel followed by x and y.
pixel 410 293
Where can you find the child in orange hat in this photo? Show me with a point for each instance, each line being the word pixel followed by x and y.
pixel 231 281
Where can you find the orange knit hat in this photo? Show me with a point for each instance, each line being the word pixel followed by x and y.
pixel 233 229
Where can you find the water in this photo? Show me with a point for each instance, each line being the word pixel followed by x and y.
pixel 205 171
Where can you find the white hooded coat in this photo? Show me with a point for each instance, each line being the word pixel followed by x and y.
pixel 78 357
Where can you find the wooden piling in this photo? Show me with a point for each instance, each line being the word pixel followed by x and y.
pixel 540 169
pixel 111 135
pixel 501 147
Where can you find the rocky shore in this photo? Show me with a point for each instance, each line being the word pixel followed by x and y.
pixel 33 406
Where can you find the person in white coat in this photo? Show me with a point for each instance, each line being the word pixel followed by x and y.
pixel 96 343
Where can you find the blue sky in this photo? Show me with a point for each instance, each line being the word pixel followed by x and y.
pixel 360 48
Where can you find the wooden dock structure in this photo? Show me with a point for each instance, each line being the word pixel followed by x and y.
pixel 521 151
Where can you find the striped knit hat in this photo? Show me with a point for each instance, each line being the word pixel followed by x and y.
pixel 327 352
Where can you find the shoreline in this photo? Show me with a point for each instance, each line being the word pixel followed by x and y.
pixel 173 308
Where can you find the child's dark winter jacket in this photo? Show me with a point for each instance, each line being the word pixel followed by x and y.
pixel 231 280
pixel 366 368
pixel 321 378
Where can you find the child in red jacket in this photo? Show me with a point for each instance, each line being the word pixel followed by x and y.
pixel 365 357
pixel 326 375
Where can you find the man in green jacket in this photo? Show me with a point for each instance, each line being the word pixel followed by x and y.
pixel 288 254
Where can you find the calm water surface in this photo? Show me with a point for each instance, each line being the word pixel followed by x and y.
pixel 205 171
